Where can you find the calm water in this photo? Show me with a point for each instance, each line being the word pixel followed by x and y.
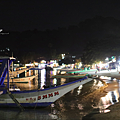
pixel 78 104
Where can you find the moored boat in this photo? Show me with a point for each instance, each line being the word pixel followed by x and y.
pixel 32 98
pixel 15 73
pixel 40 98
pixel 76 71
pixel 69 76
pixel 21 80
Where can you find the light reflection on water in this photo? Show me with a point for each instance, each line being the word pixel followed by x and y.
pixel 74 105
pixel 112 94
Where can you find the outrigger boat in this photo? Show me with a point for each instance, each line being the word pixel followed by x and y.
pixel 32 98
pixel 15 73
pixel 69 76
pixel 76 71
pixel 21 80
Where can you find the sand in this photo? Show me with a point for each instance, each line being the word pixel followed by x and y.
pixel 114 110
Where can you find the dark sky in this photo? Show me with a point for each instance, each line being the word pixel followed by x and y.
pixel 23 15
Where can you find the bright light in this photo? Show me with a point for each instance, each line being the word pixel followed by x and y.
pixel 112 57
pixel 80 87
pixel 100 64
pixel 107 59
pixel 54 71
pixel 105 77
pixel 8 49
pixel 1 30
pixel 73 56
pixel 54 81
pixel 114 79
pixel 63 56
pixel 43 61
pixel 114 60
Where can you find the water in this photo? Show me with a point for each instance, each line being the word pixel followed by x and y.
pixel 78 104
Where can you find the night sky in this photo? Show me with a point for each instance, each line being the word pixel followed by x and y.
pixel 21 15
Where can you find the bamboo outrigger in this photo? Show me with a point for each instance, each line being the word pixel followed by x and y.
pixel 32 98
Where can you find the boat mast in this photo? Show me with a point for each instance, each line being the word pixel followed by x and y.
pixel 12 65
pixel 12 68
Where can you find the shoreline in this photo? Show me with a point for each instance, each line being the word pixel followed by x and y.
pixel 114 109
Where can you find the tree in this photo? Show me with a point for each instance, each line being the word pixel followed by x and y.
pixel 98 50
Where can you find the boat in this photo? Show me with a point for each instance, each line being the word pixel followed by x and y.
pixel 76 71
pixel 69 76
pixel 15 73
pixel 32 98
pixel 21 80
pixel 40 98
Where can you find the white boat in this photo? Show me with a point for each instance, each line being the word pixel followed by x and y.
pixel 34 98
pixel 15 73
pixel 69 76
pixel 41 98
pixel 21 80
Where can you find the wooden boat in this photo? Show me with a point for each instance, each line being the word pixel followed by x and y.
pixel 22 79
pixel 81 71
pixel 41 98
pixel 15 73
pixel 33 98
pixel 69 76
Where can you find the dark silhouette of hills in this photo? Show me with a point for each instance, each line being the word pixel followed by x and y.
pixel 100 33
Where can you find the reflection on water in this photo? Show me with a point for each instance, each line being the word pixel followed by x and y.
pixel 79 89
pixel 111 96
pixel 76 104
pixel 106 101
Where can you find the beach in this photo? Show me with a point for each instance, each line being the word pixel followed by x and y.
pixel 112 112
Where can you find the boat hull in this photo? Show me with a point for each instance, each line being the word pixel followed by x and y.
pixel 40 98
pixel 26 105
pixel 21 80
pixel 69 76
pixel 81 71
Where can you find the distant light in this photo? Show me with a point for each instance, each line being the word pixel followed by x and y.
pixel 112 57
pixel 55 61
pixel 73 56
pixel 63 56
pixel 107 59
pixel 8 49
pixel 1 30
pixel 114 60
pixel 4 33
pixel 43 61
